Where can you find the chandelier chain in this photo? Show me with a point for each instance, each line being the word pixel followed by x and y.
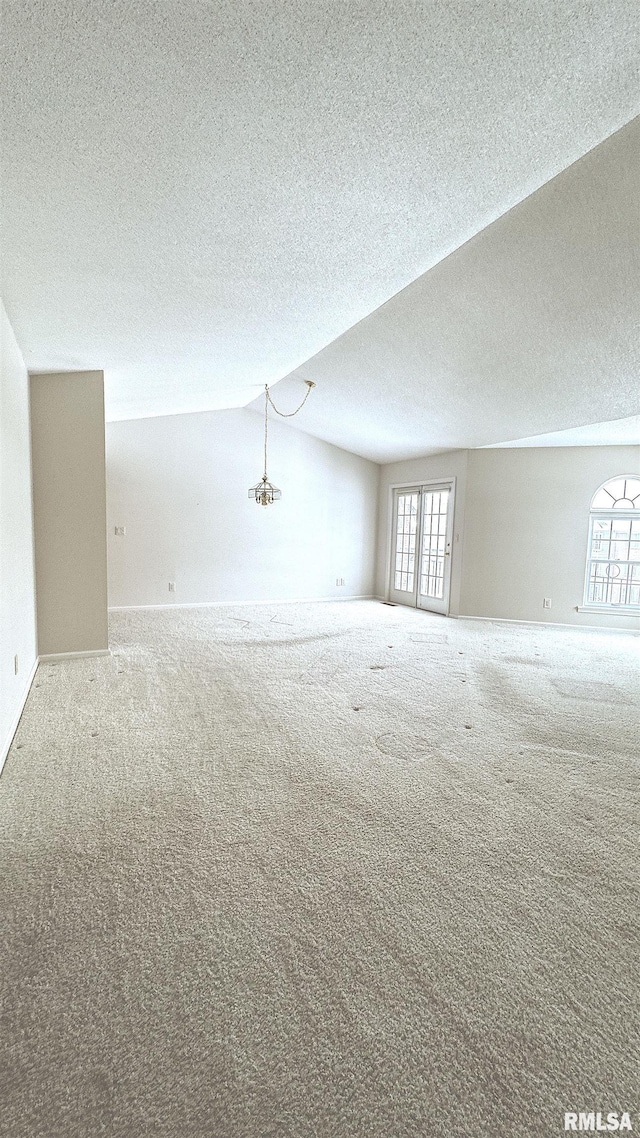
pixel 266 427
pixel 264 493
pixel 289 414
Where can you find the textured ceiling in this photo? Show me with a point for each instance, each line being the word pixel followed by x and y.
pixel 620 432
pixel 199 196
pixel 531 327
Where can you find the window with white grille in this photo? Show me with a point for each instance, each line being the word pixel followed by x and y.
pixel 434 535
pixel 405 545
pixel 613 561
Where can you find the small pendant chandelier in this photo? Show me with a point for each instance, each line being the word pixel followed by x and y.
pixel 265 492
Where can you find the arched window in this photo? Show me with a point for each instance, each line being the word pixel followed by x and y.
pixel 613 561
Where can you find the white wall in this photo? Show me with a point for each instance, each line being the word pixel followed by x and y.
pixel 526 531
pixel 416 471
pixel 69 511
pixel 179 485
pixel 17 595
pixel 521 523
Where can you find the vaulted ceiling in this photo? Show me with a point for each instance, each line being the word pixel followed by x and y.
pixel 531 327
pixel 201 197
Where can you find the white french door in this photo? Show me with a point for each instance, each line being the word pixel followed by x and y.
pixel 421 546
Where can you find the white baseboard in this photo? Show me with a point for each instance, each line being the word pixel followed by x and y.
pixel 54 657
pixel 551 624
pixel 6 746
pixel 235 604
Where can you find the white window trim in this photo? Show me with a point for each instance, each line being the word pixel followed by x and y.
pixel 598 606
pixel 620 610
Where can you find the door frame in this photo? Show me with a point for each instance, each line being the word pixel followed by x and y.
pixel 449 480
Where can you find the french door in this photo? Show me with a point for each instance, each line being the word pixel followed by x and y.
pixel 421 546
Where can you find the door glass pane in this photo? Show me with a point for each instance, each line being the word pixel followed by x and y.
pixel 434 537
pixel 405 543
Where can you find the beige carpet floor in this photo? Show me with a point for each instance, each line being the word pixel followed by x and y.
pixel 315 870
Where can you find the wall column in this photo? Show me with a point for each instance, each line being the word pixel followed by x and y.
pixel 69 503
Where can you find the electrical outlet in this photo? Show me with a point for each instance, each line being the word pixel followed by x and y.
pixel 339 580
pixel 120 531
pixel 16 666
pixel 172 586
pixel 546 604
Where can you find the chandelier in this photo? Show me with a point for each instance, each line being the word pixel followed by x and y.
pixel 265 492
